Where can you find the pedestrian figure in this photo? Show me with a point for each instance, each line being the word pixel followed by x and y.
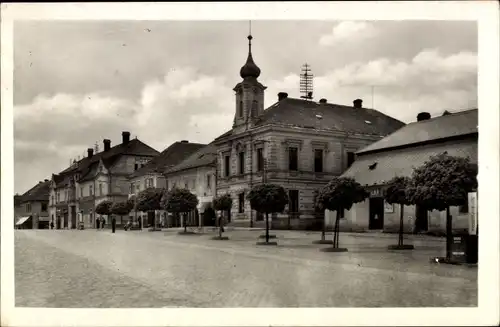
pixel 139 220
pixel 103 221
pixel 221 223
pixel 97 223
pixel 113 224
pixel 51 224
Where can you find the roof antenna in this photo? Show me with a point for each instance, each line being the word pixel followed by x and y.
pixel 306 82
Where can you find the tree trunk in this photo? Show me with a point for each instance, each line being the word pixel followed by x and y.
pixel 323 230
pixel 267 227
pixel 449 236
pixel 400 241
pixel 184 220
pixel 336 231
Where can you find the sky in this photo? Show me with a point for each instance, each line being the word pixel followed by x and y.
pixel 79 82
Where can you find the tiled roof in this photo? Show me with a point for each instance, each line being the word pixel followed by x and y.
pixel 203 157
pixel 387 164
pixel 308 114
pixel 87 165
pixel 39 192
pixel 170 157
pixel 450 125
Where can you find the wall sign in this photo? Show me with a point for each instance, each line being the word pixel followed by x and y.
pixel 388 208
pixel 472 197
pixel 375 192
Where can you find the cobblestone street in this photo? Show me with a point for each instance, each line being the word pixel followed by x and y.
pixel 98 269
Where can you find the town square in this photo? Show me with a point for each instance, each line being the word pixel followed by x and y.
pixel 248 163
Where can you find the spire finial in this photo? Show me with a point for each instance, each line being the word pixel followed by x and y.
pixel 250 69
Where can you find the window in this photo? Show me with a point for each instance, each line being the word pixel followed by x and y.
pixel 464 208
pixel 193 183
pixel 209 181
pixel 58 199
pixel 226 166
pixel 28 207
pixel 166 184
pixel 260 159
pixel 293 201
pixel 350 158
pixel 91 190
pixel 240 109
pixel 241 203
pixel 138 188
pixel 242 162
pixel 100 189
pixel 131 188
pixel 186 185
pixel 254 108
pixel 44 207
pixel 292 158
pixel 81 192
pixel 318 160
pixel 136 166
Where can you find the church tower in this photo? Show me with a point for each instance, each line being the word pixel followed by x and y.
pixel 249 94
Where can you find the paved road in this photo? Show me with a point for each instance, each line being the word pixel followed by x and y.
pixel 98 269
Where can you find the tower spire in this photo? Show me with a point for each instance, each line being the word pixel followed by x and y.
pixel 250 69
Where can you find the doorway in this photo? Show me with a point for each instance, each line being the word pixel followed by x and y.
pixel 73 217
pixel 376 213
pixel 421 219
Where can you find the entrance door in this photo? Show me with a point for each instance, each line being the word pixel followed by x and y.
pixel 376 213
pixel 421 219
pixel 65 220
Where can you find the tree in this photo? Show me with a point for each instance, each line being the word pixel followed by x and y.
pixel 319 210
pixel 397 193
pixel 179 201
pixel 338 195
pixel 121 209
pixel 149 200
pixel 268 198
pixel 222 203
pixel 104 208
pixel 441 182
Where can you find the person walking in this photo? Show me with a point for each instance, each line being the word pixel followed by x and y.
pixel 98 223
pixel 52 224
pixel 113 224
pixel 103 222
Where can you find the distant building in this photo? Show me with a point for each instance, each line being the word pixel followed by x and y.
pixel 32 207
pixel 197 174
pixel 299 144
pixel 397 155
pixel 151 175
pixel 76 191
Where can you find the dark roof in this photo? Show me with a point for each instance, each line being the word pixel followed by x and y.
pixel 327 116
pixel 39 192
pixel 170 157
pixel 87 166
pixel 449 125
pixel 401 162
pixel 203 157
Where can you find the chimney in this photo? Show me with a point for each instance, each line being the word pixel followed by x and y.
pixel 184 141
pixel 107 144
pixel 423 116
pixel 90 152
pixel 322 100
pixel 358 103
pixel 282 95
pixel 125 137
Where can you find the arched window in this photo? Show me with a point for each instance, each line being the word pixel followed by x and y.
pixel 254 108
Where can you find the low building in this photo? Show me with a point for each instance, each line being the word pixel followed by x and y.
pixel 397 155
pixel 197 174
pixel 151 175
pixel 33 207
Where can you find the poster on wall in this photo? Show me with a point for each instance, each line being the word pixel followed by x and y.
pixel 388 208
pixel 472 197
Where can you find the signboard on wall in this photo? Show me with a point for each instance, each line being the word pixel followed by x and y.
pixel 388 208
pixel 376 192
pixel 472 197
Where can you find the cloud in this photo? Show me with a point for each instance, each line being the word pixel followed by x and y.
pixel 347 31
pixel 430 81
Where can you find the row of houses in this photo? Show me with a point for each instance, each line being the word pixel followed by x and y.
pixel 297 143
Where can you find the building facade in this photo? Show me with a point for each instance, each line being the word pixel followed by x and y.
pixel 32 207
pixel 296 143
pixel 397 155
pixel 152 175
pixel 197 174
pixel 76 191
